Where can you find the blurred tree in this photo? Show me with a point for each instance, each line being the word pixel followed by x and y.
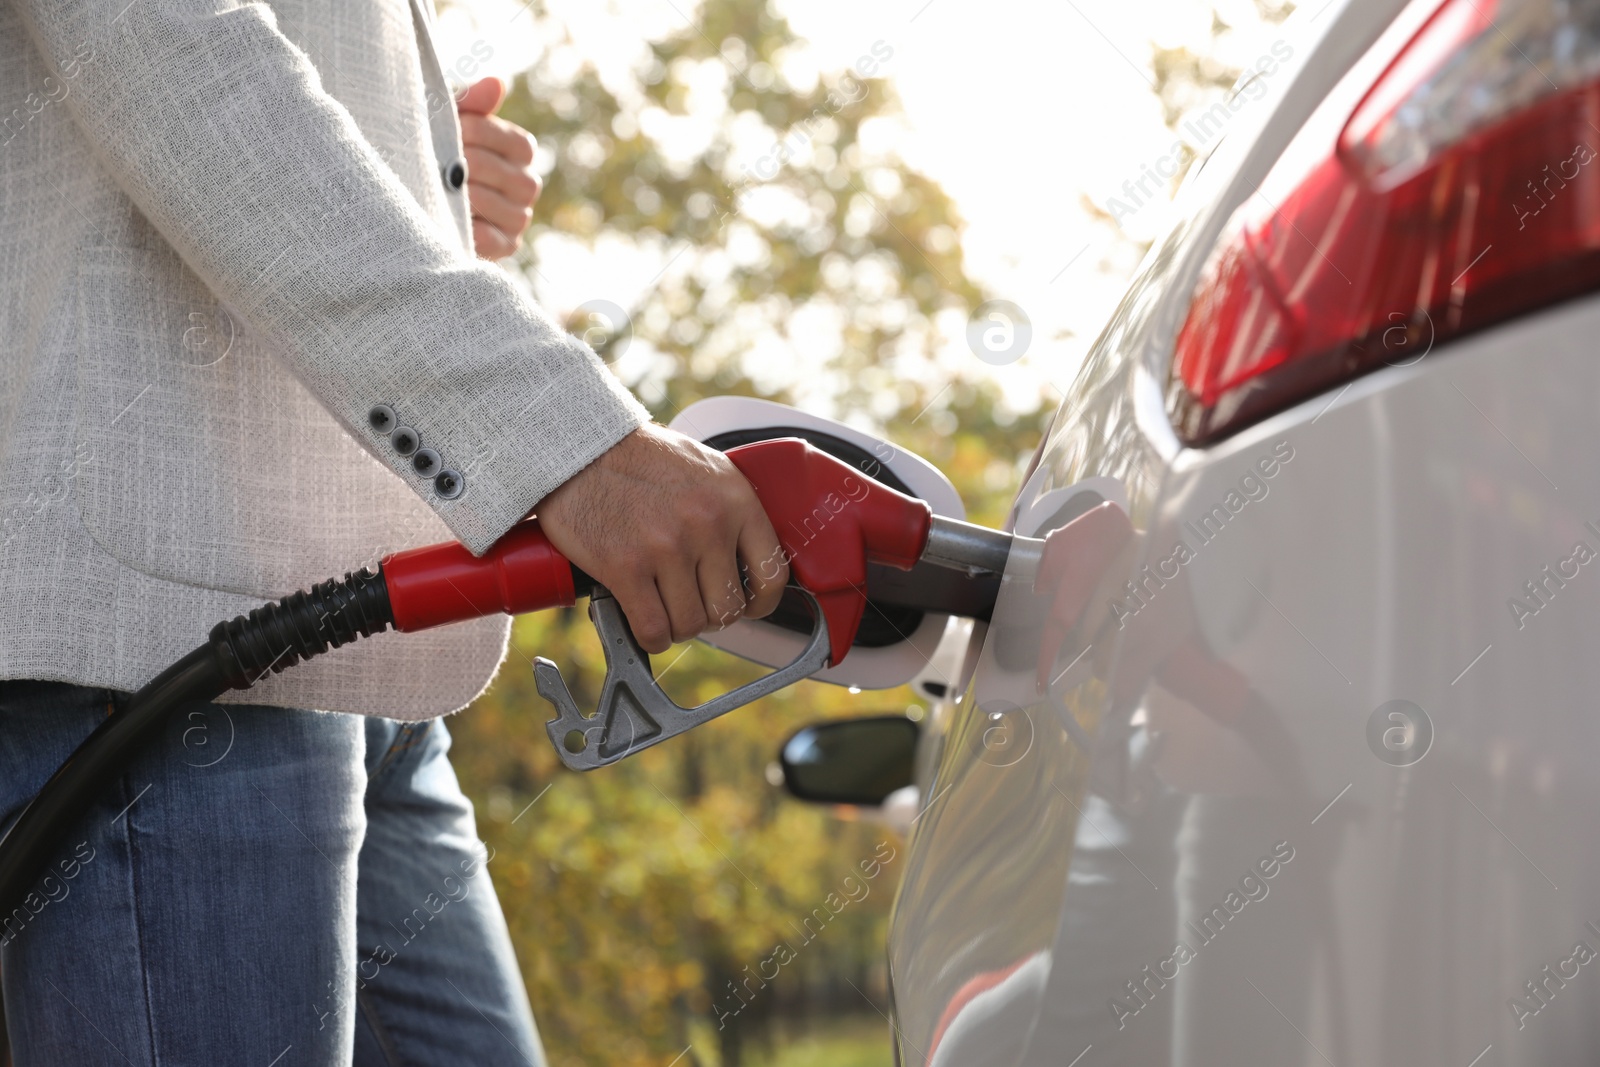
pixel 648 901
pixel 796 260
pixel 1187 81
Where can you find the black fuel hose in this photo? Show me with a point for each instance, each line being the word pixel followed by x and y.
pixel 269 639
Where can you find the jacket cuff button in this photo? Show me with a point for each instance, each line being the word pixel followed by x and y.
pixel 450 484
pixel 381 418
pixel 455 174
pixel 405 440
pixel 426 462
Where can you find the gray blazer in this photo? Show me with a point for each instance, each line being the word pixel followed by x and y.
pixel 246 343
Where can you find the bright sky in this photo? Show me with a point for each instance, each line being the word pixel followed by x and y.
pixel 1017 108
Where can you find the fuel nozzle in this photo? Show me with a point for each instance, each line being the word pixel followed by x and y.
pixel 832 522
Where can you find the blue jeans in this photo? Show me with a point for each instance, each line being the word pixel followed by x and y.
pixel 262 887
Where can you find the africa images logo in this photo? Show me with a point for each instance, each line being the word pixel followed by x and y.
pixel 1253 887
pixel 1252 488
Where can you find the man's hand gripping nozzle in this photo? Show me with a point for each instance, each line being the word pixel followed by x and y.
pixel 831 521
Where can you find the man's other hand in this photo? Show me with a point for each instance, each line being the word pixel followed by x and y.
pixel 664 522
pixel 501 183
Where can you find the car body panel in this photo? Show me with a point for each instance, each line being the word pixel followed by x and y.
pixel 1431 889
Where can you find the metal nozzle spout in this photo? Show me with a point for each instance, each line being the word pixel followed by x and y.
pixel 964 546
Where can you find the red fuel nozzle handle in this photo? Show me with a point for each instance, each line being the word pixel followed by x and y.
pixel 831 521
pixel 441 584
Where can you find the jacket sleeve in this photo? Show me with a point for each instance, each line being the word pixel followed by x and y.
pixel 219 130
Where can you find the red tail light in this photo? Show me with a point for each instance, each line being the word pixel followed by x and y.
pixel 1463 190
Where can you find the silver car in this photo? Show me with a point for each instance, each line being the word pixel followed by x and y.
pixel 1286 752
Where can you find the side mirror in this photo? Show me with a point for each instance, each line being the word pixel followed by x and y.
pixel 850 761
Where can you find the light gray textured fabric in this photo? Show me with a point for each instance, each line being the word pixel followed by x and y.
pixel 224 237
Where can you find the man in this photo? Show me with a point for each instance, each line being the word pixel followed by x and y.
pixel 247 347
